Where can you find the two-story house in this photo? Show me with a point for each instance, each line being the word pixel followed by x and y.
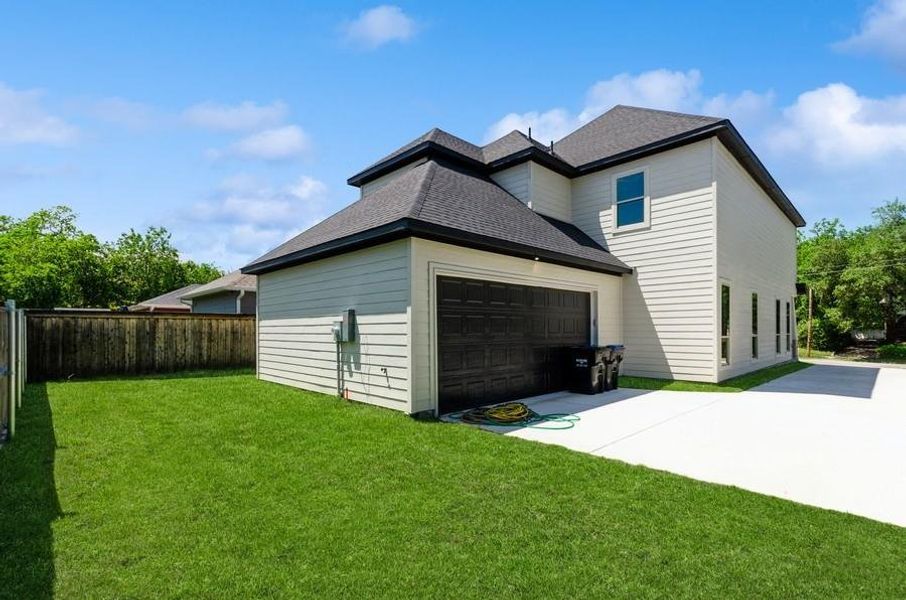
pixel 471 268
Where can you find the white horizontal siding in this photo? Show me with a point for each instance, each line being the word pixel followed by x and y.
pixel 756 252
pixel 550 193
pixel 516 180
pixel 668 302
pixel 432 258
pixel 297 307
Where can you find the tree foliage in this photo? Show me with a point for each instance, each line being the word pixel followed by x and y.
pixel 858 277
pixel 47 261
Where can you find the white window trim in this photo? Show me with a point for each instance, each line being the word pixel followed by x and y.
pixel 755 344
pixel 720 322
pixel 646 221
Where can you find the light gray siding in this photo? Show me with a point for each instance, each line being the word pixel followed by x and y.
pixel 550 193
pixel 224 303
pixel 756 252
pixel 430 259
pixel 247 303
pixel 669 301
pixel 516 180
pixel 297 307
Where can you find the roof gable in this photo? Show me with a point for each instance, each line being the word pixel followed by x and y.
pixel 444 202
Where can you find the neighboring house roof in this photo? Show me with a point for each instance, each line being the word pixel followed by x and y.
pixel 622 134
pixel 231 282
pixel 168 301
pixel 444 202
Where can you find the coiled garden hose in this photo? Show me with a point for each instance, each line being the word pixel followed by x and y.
pixel 515 414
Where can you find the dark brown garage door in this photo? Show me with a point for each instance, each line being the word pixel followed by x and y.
pixel 498 341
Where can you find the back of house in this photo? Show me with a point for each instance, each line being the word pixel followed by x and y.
pixel 463 273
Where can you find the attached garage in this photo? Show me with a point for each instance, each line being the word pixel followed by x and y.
pixel 501 341
pixel 463 296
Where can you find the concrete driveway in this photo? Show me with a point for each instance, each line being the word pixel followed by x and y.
pixel 832 435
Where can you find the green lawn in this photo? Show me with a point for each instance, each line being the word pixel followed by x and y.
pixel 226 487
pixel 737 384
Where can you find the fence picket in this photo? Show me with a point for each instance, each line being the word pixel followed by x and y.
pixel 62 345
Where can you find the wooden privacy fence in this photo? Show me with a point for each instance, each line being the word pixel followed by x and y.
pixel 61 345
pixel 12 374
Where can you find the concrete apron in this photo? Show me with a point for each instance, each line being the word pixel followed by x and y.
pixel 832 436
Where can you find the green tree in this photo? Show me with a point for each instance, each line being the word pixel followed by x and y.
pixel 47 261
pixel 144 265
pixel 858 278
pixel 872 289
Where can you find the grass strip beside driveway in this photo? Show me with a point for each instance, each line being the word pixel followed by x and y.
pixel 736 384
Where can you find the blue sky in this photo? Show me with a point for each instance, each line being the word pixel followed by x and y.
pixel 236 124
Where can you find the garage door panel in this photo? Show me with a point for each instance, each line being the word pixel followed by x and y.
pixel 501 341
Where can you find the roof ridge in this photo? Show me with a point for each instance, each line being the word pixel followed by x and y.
pixel 665 112
pixel 424 189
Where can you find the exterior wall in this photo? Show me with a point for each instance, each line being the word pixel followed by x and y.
pixel 224 303
pixel 517 181
pixel 669 322
pixel 297 307
pixel 248 303
pixel 756 252
pixel 539 188
pixel 551 193
pixel 430 259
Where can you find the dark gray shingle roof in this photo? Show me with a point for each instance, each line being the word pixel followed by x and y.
pixel 234 281
pixel 441 138
pixel 513 142
pixel 625 128
pixel 434 195
pixel 170 300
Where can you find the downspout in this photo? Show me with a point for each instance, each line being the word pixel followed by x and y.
pixel 239 302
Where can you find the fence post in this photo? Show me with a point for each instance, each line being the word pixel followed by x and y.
pixel 12 373
pixel 22 364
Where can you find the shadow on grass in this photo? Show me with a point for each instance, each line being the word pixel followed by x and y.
pixel 28 501
pixel 232 372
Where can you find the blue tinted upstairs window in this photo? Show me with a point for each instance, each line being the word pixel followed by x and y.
pixel 631 186
pixel 630 212
pixel 631 199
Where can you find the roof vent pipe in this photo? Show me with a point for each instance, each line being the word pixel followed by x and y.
pixel 552 146
pixel 529 133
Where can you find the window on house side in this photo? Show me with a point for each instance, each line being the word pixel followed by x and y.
pixel 725 324
pixel 787 326
pixel 777 326
pixel 631 199
pixel 754 325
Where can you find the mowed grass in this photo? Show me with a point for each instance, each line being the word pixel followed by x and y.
pixel 736 384
pixel 226 487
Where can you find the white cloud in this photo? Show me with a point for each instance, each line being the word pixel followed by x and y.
pixel 246 116
pixel 549 125
pixel 883 32
pixel 378 26
pixel 129 114
pixel 663 89
pixel 245 218
pixel 24 121
pixel 280 143
pixel 659 88
pixel 836 127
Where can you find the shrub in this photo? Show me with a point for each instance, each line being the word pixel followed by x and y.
pixel 892 351
pixel 825 335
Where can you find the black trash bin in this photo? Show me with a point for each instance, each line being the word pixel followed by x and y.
pixel 612 366
pixel 586 369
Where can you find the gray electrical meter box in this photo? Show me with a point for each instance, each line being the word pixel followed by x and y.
pixel 344 330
